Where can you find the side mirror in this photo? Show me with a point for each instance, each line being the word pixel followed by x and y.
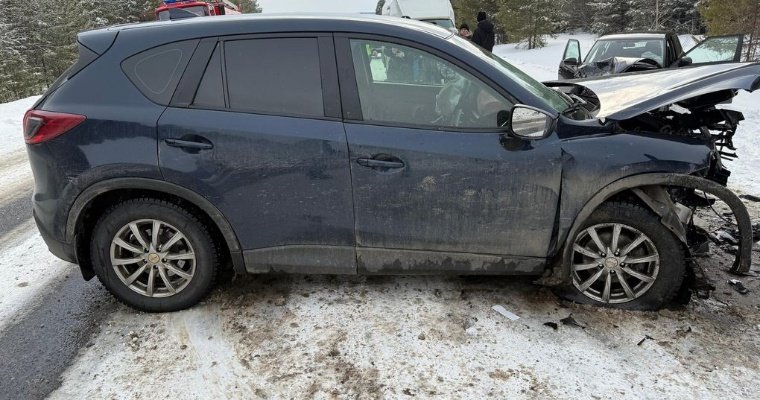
pixel 528 122
pixel 570 61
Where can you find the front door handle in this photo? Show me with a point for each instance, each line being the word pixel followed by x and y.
pixel 390 163
pixel 194 144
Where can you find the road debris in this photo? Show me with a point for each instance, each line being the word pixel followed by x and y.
pixel 683 332
pixel 738 286
pixel 569 320
pixel 552 325
pixel 503 311
pixel 646 337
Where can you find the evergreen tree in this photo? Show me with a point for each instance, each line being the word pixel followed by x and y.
pixel 379 7
pixel 680 16
pixel 250 6
pixel 609 16
pixel 738 16
pixel 576 15
pixel 529 22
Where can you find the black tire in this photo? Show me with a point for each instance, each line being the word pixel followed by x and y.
pixel 204 248
pixel 669 276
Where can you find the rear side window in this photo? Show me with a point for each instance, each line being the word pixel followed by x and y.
pixel 157 71
pixel 277 75
pixel 211 90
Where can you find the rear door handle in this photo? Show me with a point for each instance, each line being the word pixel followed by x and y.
pixel 195 144
pixel 375 163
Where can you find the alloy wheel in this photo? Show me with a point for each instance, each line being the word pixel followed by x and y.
pixel 614 263
pixel 153 258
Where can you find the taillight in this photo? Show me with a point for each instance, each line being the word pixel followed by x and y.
pixel 41 126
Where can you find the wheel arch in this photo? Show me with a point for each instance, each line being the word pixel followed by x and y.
pixel 89 205
pixel 636 185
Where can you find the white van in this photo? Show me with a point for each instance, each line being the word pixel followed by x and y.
pixel 439 12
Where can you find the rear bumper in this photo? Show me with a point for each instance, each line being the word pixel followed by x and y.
pixel 64 251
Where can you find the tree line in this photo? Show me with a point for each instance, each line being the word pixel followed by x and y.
pixel 530 22
pixel 38 37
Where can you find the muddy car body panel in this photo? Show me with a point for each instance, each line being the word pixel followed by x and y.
pixel 470 168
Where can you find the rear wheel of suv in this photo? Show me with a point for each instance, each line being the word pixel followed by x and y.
pixel 624 257
pixel 154 255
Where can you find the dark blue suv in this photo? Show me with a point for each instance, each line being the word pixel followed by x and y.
pixel 364 145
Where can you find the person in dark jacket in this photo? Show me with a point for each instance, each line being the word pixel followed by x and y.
pixel 484 35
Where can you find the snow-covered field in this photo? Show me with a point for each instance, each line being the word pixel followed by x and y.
pixel 395 337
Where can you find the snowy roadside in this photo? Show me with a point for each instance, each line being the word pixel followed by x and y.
pixel 380 337
pixel 27 269
pixel 11 136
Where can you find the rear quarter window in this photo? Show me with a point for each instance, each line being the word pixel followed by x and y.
pixel 157 71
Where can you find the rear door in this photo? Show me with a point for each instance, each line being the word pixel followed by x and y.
pixel 261 137
pixel 437 184
pixel 717 50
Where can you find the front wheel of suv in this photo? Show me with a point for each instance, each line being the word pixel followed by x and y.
pixel 624 257
pixel 154 255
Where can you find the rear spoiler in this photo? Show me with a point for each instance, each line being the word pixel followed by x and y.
pixel 91 44
pixel 98 41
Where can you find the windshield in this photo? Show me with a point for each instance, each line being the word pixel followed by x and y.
pixel 653 49
pixel 557 101
pixel 444 23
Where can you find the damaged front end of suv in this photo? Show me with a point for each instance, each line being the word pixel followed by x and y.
pixel 686 107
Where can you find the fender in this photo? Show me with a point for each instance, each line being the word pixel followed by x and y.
pixel 561 275
pixel 102 187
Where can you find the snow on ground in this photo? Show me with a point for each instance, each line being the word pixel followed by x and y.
pixel 25 263
pixel 11 135
pixel 390 337
pixel 27 271
pixel 542 64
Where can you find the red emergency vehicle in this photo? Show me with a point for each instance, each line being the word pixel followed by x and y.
pixel 178 9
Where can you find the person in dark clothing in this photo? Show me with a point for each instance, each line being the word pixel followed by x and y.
pixel 484 35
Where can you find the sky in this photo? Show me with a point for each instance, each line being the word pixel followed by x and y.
pixel 347 6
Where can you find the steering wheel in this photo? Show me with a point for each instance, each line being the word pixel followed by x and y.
pixel 450 102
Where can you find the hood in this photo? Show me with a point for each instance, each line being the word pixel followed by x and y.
pixel 626 96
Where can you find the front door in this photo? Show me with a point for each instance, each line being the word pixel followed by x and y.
pixel 716 50
pixel 438 186
pixel 571 59
pixel 263 141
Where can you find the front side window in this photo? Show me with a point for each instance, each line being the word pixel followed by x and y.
pixel 551 97
pixel 716 49
pixel 277 76
pixel 404 85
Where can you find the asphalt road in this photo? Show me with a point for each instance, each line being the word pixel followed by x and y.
pixel 37 348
